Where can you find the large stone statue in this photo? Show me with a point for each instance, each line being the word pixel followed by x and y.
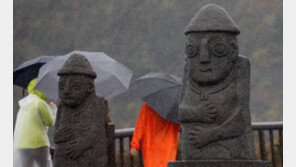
pixel 80 134
pixel 214 103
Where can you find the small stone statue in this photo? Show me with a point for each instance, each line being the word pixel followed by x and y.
pixel 214 103
pixel 80 134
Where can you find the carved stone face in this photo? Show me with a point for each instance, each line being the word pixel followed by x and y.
pixel 74 89
pixel 210 56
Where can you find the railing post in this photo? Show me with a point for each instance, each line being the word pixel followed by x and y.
pixel 111 145
pixel 140 158
pixel 271 140
pixel 281 144
pixel 121 152
pixel 262 144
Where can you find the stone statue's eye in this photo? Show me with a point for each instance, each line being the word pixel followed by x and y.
pixel 218 47
pixel 61 85
pixel 191 50
pixel 76 85
pixel 219 50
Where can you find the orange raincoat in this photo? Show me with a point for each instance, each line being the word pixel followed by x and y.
pixel 159 138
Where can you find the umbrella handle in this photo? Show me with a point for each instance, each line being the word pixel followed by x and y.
pixel 23 93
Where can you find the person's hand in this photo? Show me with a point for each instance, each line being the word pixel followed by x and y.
pixel 52 105
pixel 134 152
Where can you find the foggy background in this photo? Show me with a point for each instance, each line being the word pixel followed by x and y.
pixel 147 36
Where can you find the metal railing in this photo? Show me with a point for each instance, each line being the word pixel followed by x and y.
pixel 269 129
pixel 263 129
pixel 121 134
pixel 267 148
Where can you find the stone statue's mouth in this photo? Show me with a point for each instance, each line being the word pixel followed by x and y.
pixel 207 69
pixel 201 68
pixel 68 97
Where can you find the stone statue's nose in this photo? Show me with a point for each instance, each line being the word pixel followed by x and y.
pixel 204 52
pixel 67 87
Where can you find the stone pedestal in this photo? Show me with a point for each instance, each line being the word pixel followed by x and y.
pixel 219 163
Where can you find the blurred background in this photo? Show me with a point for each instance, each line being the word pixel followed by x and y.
pixel 147 36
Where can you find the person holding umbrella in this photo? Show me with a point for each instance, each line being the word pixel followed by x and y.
pixel 29 70
pixel 31 144
pixel 159 138
pixel 156 130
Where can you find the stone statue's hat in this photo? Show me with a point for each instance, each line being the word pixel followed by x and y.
pixel 212 17
pixel 77 64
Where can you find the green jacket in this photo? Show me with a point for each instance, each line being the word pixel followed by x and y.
pixel 32 121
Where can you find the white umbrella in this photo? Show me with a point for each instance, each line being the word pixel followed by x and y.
pixel 113 78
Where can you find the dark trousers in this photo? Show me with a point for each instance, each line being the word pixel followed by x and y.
pixel 40 155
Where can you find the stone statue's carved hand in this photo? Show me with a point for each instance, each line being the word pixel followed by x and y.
pixel 63 134
pixel 76 148
pixel 200 137
pixel 206 113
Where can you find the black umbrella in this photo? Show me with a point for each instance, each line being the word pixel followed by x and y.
pixel 27 71
pixel 161 92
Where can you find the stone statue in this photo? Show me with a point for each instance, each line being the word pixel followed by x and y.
pixel 80 134
pixel 214 102
pixel 214 105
